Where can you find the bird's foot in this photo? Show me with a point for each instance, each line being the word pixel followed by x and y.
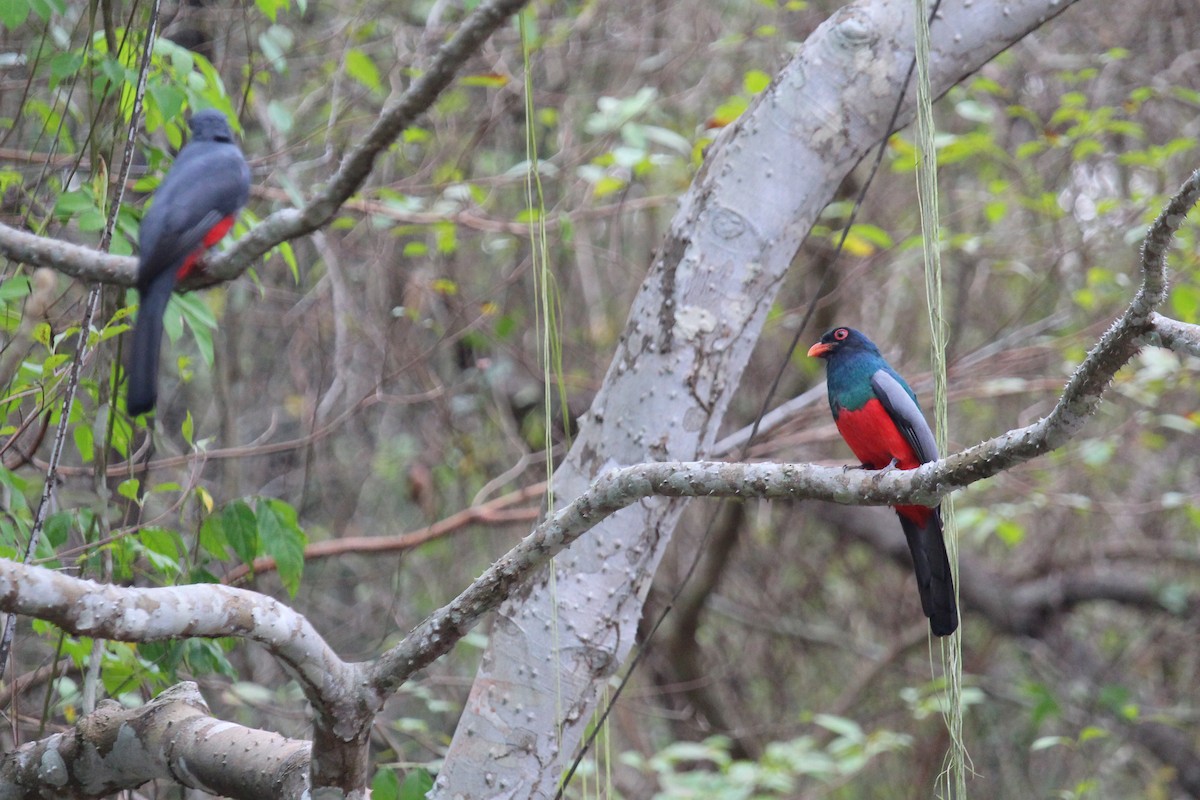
pixel 891 466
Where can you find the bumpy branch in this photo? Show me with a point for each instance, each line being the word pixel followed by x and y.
pixel 1172 334
pixel 87 608
pixel 343 708
pixel 290 223
pixel 173 738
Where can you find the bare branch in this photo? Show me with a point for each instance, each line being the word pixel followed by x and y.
pixel 344 707
pixel 172 738
pixel 76 260
pixel 88 608
pixel 1182 337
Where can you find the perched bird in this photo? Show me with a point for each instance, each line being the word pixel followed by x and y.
pixel 878 416
pixel 193 208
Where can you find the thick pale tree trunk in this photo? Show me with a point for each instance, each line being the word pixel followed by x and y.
pixel 689 336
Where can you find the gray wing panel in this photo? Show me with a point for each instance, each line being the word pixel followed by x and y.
pixel 906 413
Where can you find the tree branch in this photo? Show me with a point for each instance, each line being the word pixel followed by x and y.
pixel 78 261
pixel 343 708
pixel 1182 337
pixel 174 738
pixel 88 608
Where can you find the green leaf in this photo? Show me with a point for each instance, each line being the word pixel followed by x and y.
pixel 69 204
pixel 995 211
pixel 82 435
pixel 444 286
pixel 240 527
pixel 167 100
pixel 1046 742
pixel 491 80
pixel 194 311
pixel 755 81
pixel 16 287
pixel 271 8
pixel 13 13
pixel 1027 150
pixel 1115 698
pixel 275 42
pixel 417 784
pixel 58 528
pixel 280 116
pixel 873 234
pixel 212 536
pixel 283 540
pixel 385 785
pixel 1011 532
pixel 606 185
pixel 361 68
pixel 63 65
pixel 846 728
pixel 128 489
pixel 289 257
pixel 161 548
pixel 1185 300
pixel 1085 148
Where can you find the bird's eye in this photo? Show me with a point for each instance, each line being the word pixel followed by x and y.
pixel 840 334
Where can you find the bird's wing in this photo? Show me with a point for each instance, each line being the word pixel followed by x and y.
pixel 201 189
pixel 904 411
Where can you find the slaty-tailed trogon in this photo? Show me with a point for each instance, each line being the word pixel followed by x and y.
pixel 878 416
pixel 193 208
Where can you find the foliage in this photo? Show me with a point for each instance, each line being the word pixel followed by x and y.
pixel 782 771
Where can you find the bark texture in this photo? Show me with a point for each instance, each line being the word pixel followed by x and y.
pixel 171 738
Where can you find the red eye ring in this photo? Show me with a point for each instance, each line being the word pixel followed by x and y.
pixel 840 334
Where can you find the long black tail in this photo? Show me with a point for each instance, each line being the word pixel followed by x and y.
pixel 932 565
pixel 142 389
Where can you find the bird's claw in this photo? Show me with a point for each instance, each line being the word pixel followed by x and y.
pixel 881 471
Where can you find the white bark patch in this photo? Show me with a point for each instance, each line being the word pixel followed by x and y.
pixel 691 321
pixel 52 770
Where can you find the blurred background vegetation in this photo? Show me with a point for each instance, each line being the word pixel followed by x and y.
pixel 383 375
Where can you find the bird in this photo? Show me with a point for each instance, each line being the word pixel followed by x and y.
pixel 193 208
pixel 878 415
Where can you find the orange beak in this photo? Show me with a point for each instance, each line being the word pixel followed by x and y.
pixel 819 350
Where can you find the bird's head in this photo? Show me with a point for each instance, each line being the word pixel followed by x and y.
pixel 210 125
pixel 841 340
